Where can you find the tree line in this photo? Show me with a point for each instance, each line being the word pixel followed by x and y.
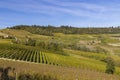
pixel 49 30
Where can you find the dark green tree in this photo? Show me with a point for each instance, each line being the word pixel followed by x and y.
pixel 31 42
pixel 110 66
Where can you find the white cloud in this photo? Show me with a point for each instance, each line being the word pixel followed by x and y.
pixel 34 7
pixel 86 9
pixel 77 4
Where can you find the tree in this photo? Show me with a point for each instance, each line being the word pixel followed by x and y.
pixel 5 73
pixel 110 67
pixel 31 42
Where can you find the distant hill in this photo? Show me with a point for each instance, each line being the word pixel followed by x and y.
pixel 49 30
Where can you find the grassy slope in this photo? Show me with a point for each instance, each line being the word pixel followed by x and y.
pixel 62 73
pixel 82 60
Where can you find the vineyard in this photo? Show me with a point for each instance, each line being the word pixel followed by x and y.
pixel 35 55
pixel 23 54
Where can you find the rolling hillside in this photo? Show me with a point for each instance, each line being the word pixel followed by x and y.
pixel 65 56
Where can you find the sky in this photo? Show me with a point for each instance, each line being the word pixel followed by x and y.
pixel 77 13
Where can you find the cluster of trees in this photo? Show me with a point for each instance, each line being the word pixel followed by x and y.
pixel 53 46
pixel 49 30
pixel 28 41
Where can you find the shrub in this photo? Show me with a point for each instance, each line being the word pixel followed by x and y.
pixel 110 67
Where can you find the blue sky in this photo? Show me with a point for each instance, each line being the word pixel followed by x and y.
pixel 79 13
